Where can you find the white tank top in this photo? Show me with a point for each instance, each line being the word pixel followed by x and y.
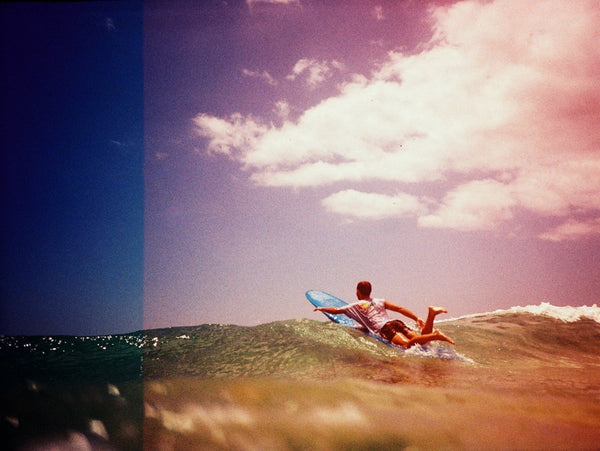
pixel 371 314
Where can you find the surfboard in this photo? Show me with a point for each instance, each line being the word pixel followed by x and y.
pixel 322 299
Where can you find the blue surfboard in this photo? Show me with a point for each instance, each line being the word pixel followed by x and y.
pixel 322 299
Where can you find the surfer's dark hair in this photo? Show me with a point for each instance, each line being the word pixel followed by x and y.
pixel 364 288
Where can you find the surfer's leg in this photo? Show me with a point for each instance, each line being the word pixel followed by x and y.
pixel 433 312
pixel 400 340
pixel 424 339
pixel 410 338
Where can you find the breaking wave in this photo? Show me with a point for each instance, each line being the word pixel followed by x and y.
pixel 566 314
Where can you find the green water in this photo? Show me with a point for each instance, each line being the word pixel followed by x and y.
pixel 513 381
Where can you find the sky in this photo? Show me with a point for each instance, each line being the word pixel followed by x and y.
pixel 72 202
pixel 449 152
pixel 231 155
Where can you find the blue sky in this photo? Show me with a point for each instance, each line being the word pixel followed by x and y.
pixel 72 168
pixel 244 152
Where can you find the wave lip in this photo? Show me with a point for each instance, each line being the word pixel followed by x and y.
pixel 567 314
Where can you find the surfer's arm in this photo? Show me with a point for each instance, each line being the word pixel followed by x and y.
pixel 331 310
pixel 405 312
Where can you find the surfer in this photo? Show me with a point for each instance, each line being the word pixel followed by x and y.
pixel 372 315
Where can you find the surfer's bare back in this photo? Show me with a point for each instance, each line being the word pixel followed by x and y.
pixel 372 315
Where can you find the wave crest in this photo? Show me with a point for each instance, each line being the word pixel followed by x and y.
pixel 568 314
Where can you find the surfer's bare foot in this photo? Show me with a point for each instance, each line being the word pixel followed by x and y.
pixel 437 310
pixel 442 337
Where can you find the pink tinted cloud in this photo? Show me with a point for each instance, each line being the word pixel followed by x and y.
pixel 503 104
pixel 313 72
pixel 573 229
pixel 374 205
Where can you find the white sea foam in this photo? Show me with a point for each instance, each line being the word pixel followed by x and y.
pixel 436 350
pixel 567 314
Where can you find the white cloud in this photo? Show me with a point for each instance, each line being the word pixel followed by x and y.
pixel 232 136
pixel 503 104
pixel 313 72
pixel 282 109
pixel 573 229
pixel 556 189
pixel 373 205
pixel 264 75
pixel 477 205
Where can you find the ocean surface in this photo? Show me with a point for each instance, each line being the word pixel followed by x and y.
pixel 523 378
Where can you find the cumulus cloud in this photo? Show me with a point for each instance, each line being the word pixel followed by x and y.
pixel 313 72
pixel 502 107
pixel 573 229
pixel 476 205
pixel 373 205
pixel 231 136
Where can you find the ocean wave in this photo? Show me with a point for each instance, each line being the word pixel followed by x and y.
pixel 567 314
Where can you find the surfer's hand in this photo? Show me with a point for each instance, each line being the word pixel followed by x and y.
pixel 317 309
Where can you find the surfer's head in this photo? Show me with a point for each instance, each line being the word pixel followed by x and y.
pixel 363 290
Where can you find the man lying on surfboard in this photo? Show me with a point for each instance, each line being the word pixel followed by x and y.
pixel 372 315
